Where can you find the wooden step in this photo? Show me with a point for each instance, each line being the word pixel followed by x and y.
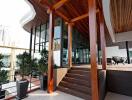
pixel 77 81
pixel 75 93
pixel 78 76
pixel 81 72
pixel 76 87
pixel 79 68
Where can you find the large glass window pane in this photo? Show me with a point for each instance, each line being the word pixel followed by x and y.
pixel 65 45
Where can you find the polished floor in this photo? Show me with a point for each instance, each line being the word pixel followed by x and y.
pixel 41 95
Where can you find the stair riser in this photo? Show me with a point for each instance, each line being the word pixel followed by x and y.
pixel 83 96
pixel 83 69
pixel 79 72
pixel 77 88
pixel 87 78
pixel 79 82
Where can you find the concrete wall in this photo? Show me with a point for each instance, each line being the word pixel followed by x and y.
pixel 56 55
pixel 124 36
pixel 59 73
pixel 119 82
pixel 115 51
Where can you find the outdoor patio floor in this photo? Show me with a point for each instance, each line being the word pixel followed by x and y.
pixel 57 95
pixel 41 95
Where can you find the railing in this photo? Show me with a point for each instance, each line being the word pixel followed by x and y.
pixel 9 89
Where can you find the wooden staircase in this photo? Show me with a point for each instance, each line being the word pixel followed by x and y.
pixel 77 82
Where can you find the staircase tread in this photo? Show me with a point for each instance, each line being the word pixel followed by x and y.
pixel 77 82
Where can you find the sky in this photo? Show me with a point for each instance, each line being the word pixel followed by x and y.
pixel 11 13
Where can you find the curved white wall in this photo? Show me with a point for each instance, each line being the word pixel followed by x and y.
pixel 29 15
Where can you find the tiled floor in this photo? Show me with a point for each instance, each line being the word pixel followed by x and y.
pixel 41 95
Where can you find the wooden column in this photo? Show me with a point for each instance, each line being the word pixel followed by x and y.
pixel 50 54
pixel 102 40
pixel 127 50
pixel 70 44
pixel 93 34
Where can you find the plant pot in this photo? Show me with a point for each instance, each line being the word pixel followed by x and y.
pixel 2 93
pixel 22 87
pixel 43 82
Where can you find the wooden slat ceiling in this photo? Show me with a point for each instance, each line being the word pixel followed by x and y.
pixel 75 8
pixel 71 9
pixel 121 14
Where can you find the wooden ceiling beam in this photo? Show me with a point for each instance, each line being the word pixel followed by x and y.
pixel 62 16
pixel 81 17
pixel 56 12
pixel 76 13
pixel 59 4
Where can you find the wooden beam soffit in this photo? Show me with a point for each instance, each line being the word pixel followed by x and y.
pixel 59 4
pixel 81 17
pixel 62 16
pixel 58 13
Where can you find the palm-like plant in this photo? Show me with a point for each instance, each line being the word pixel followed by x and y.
pixel 43 62
pixel 24 64
pixel 3 73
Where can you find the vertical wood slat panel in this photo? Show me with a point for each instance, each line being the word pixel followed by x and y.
pixel 102 40
pixel 93 34
pixel 50 54
pixel 70 45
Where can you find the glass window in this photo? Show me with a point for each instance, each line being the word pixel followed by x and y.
pixel 57 28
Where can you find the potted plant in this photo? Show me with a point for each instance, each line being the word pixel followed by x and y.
pixel 22 84
pixel 3 77
pixel 34 64
pixel 43 67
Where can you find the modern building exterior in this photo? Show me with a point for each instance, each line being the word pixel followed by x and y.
pixel 77 32
pixel 86 34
